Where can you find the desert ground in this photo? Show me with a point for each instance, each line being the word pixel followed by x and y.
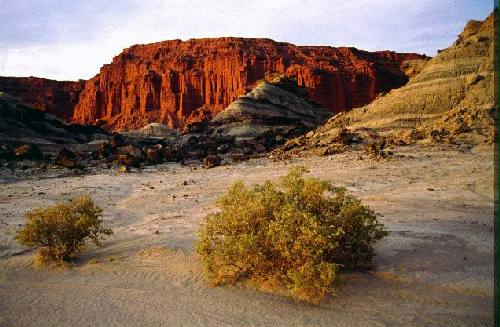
pixel 434 269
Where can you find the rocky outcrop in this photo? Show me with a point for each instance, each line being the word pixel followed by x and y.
pixel 154 130
pixel 451 100
pixel 54 97
pixel 255 123
pixel 177 83
pixel 274 109
pixel 20 123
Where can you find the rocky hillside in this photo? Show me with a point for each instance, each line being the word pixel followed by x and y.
pixel 278 108
pixel 450 100
pixel 20 123
pixel 54 97
pixel 176 82
pixel 257 122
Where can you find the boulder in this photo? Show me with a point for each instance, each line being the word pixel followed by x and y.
pixel 104 150
pixel 117 140
pixel 66 158
pixel 211 161
pixel 28 151
pixel 152 154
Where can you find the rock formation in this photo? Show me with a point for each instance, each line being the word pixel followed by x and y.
pixel 20 123
pixel 177 83
pixel 54 97
pixel 278 108
pixel 451 100
pixel 154 130
pixel 256 122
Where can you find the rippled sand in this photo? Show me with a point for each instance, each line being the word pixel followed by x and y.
pixel 435 268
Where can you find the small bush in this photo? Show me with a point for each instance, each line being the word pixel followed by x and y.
pixel 293 236
pixel 63 229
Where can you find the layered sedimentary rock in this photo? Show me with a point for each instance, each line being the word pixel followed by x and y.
pixel 450 100
pixel 256 122
pixel 277 108
pixel 176 82
pixel 54 97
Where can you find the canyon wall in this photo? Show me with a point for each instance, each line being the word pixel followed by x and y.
pixel 54 97
pixel 179 82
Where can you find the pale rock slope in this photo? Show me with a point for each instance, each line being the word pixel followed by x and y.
pixel 451 100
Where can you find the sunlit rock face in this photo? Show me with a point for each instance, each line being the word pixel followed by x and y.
pixel 176 82
pixel 54 97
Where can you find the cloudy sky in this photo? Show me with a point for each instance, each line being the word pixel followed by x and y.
pixel 72 39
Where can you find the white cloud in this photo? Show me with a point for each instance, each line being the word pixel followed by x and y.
pixel 70 39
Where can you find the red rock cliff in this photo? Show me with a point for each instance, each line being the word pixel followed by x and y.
pixel 54 97
pixel 176 82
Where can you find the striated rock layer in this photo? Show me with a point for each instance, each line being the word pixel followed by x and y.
pixel 177 83
pixel 54 97
pixel 451 99
pixel 277 108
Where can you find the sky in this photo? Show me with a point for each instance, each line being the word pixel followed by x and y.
pixel 72 39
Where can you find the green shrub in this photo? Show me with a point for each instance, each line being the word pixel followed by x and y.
pixel 63 229
pixel 293 236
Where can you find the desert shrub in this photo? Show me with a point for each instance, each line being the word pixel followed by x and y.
pixel 63 229
pixel 293 236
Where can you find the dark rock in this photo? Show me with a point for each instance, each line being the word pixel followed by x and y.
pixel 104 150
pixel 130 155
pixel 6 152
pixel 29 152
pixel 376 149
pixel 152 154
pixel 223 148
pixel 66 158
pixel 239 157
pixel 211 161
pixel 117 140
pixel 128 160
pixel 328 150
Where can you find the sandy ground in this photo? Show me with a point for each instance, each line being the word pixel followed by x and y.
pixel 434 269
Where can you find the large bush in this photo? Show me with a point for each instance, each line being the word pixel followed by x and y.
pixel 293 236
pixel 63 229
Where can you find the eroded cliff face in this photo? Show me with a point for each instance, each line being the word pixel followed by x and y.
pixel 178 83
pixel 54 97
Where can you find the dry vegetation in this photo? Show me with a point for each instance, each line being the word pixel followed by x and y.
pixel 293 236
pixel 63 229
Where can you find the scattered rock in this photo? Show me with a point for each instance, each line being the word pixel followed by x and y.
pixel 152 155
pixel 376 149
pixel 116 140
pixel 211 161
pixel 66 158
pixel 239 157
pixel 28 152
pixel 130 155
pixel 104 150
